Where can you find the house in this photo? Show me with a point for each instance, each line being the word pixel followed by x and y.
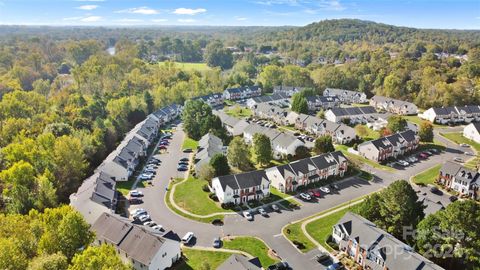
pixel 340 133
pixel 168 113
pixel 289 177
pixel 280 99
pixel 355 115
pixel 283 144
pixel 472 132
pixel 394 105
pixel 241 188
pixel 316 103
pixel 233 125
pixel 136 245
pixel 346 96
pixel 208 146
pixel 374 248
pixel 288 90
pixel 268 110
pixel 452 115
pixel 240 262
pixel 463 180
pixel 389 147
pixel 242 92
pixel 213 100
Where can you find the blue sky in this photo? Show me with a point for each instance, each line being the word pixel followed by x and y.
pixel 452 14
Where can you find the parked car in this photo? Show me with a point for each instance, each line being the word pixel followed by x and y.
pixel 435 151
pixel 403 163
pixel 184 159
pixel 138 211
pixel 275 208
pixel 158 228
pixel 335 266
pixel 149 171
pixel 185 163
pixel 458 159
pixel 279 266
pixel 135 200
pixel 187 237
pixel 469 154
pixel 150 223
pixel 144 218
pixel 135 193
pixel 187 150
pixel 428 152
pixel 305 196
pixel 325 189
pixel 317 193
pixel 217 242
pixel 435 190
pixel 182 168
pixel 248 215
pixel 464 145
pixel 423 155
pixel 334 186
pixel 310 192
pixel 262 212
pixel 453 198
pixel 323 256
pixel 162 147
pixel 164 143
pixel 145 176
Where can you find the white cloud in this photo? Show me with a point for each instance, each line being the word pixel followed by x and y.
pixel 240 18
pixel 186 20
pixel 91 19
pixel 72 18
pixel 189 11
pixel 139 10
pixel 88 7
pixel 159 20
pixel 125 20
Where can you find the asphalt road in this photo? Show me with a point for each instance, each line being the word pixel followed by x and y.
pixel 269 228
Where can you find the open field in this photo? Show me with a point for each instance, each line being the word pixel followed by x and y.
pixel 238 112
pixel 428 176
pixel 202 259
pixel 417 120
pixel 252 246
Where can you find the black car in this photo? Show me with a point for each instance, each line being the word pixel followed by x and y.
pixel 323 256
pixel 187 150
pixel 279 266
pixel 453 198
pixel 435 190
pixel 184 159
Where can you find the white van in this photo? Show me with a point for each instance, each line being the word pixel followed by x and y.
pixel 187 238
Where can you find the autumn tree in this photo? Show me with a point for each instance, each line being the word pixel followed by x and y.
pixel 239 154
pixel 262 148
pixel 425 132
pixel 323 144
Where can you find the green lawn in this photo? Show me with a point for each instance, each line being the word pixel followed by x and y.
pixel 321 228
pixel 428 176
pixel 190 196
pixel 294 233
pixel 370 133
pixel 288 128
pixel 275 195
pixel 125 187
pixel 200 259
pixel 417 120
pixel 361 160
pixel 190 66
pixel 458 138
pixel 252 246
pixel 190 143
pixel 239 112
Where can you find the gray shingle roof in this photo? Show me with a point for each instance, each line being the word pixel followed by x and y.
pixel 239 262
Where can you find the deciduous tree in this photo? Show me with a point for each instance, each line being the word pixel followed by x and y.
pixel 323 144
pixel 262 148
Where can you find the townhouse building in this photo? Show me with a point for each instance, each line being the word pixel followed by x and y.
pixel 461 179
pixel 241 188
pixel 288 90
pixel 316 103
pixel 233 125
pixel 355 115
pixel 393 105
pixel 452 115
pixel 239 93
pixel 472 132
pixel 340 133
pixel 288 177
pixel 390 146
pixel 346 96
pixel 373 248
pixel 136 245
pixel 279 99
pixel 208 146
pixel 213 100
pixel 271 111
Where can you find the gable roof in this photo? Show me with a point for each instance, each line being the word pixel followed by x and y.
pixel 240 262
pixel 242 180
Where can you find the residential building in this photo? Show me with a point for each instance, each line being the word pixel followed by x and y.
pixel 452 115
pixel 214 100
pixel 316 103
pixel 208 146
pixel 461 179
pixel 280 99
pixel 233 125
pixel 288 90
pixel 168 113
pixel 356 115
pixel 374 248
pixel 242 92
pixel 268 110
pixel 346 96
pixel 283 144
pixel 240 262
pixel 340 133
pixel 241 188
pixel 289 177
pixel 472 132
pixel 136 245
pixel 390 146
pixel 394 105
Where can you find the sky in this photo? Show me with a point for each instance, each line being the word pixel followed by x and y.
pixel 444 14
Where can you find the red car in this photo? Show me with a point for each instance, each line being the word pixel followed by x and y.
pixel 317 193
pixel 162 147
pixel 423 155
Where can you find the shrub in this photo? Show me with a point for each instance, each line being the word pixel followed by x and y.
pixel 298 244
pixel 213 196
pixel 205 188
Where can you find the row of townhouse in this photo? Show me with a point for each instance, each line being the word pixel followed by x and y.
pixel 283 144
pixel 280 99
pixel 234 126
pixel 373 248
pixel 288 90
pixel 97 194
pixel 394 105
pixel 390 146
pixel 271 111
pixel 213 100
pixel 340 133
pixel 316 103
pixel 452 115
pixel 346 96
pixel 463 180
pixel 208 146
pixel 239 93
pixel 136 245
pixel 356 115
pixel 288 177
pixel 241 188
pixel 244 187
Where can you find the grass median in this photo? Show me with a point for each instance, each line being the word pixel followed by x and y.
pixel 428 176
pixel 190 143
pixel 202 259
pixel 252 246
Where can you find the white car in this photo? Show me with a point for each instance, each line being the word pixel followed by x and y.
pixel 464 145
pixel 135 193
pixel 469 154
pixel 144 217
pixel 145 176
pixel 138 214
pixel 262 211
pixel 137 210
pixel 150 223
pixel 275 207
pixel 403 163
pixel 458 159
pixel 325 189
pixel 305 196
pixel 248 215
pixel 187 237
pixel 158 228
